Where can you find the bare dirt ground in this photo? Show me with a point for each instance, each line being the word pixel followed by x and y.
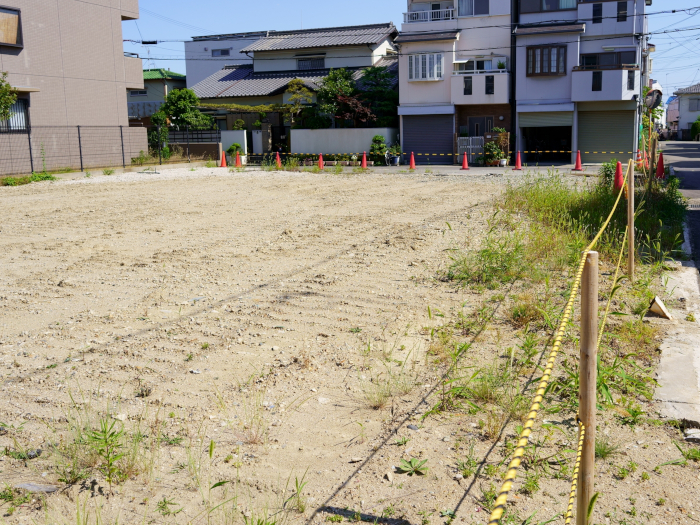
pixel 239 326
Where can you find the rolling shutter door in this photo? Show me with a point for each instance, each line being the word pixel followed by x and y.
pixel 605 135
pixel 430 137
pixel 546 119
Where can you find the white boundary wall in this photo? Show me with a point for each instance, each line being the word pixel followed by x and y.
pixel 237 136
pixel 339 140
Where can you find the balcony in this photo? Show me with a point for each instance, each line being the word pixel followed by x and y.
pixel 501 87
pixel 592 84
pixel 133 73
pixel 429 16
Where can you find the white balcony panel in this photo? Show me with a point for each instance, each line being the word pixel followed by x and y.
pixel 614 86
pixel 501 92
pixel 429 16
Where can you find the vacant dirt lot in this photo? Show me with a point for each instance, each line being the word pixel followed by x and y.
pixel 239 327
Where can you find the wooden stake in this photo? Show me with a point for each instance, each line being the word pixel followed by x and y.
pixel 587 383
pixel 630 222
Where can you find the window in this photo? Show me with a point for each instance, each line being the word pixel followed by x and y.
pixel 546 60
pixel 311 63
pixel 597 13
pixel 220 52
pixel 608 60
pixel 467 85
pixel 477 65
pixel 622 11
pixel 19 117
pixel 694 104
pixel 631 79
pixel 473 7
pixel 425 67
pixel 138 93
pixel 540 6
pixel 597 81
pixel 10 29
pixel 489 85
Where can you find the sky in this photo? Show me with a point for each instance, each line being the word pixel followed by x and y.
pixel 676 61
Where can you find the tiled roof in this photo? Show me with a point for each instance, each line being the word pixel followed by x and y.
pixel 241 81
pixel 323 37
pixel 426 37
pixel 160 74
pixel 689 90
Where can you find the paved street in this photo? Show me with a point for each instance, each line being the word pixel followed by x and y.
pixel 685 157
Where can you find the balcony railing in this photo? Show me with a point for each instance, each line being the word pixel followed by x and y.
pixel 606 67
pixel 480 72
pixel 429 16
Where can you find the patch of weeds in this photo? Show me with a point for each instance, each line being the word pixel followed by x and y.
pixel 625 471
pixel 488 496
pixel 661 502
pixel 388 512
pixel 336 518
pixel 524 311
pixel 205 346
pixel 189 357
pixel 690 317
pixel 500 259
pixel 19 181
pixel 54 365
pixel 172 441
pixel 108 171
pixel 645 476
pixel 401 441
pixel 605 447
pixel 210 164
pixel 355 330
pixel 413 466
pixel 14 497
pixel 163 506
pixel 297 500
pixel 377 393
pixel 468 467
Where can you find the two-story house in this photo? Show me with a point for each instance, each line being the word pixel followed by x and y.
pixel 455 74
pixel 283 56
pixel 688 110
pixel 581 69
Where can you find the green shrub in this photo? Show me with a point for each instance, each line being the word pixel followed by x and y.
pixel 695 129
pixel 233 148
pixel 607 172
pixel 377 148
pixel 239 124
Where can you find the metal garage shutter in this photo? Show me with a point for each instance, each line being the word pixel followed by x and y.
pixel 433 134
pixel 603 135
pixel 546 119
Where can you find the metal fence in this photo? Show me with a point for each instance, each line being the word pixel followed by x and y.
pixel 56 148
pixel 472 146
pixel 66 148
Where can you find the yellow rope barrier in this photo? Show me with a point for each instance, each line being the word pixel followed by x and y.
pixel 501 500
pixel 574 477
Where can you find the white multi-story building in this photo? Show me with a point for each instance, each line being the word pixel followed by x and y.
pixel 581 69
pixel 560 75
pixel 454 74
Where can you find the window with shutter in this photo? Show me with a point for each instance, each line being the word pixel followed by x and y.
pixel 467 85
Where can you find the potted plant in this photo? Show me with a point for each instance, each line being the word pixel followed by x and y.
pixel 492 153
pixel 501 64
pixel 395 154
pixel 231 152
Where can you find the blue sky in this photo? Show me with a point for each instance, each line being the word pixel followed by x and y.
pixel 676 61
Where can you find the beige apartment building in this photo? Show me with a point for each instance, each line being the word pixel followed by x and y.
pixel 66 59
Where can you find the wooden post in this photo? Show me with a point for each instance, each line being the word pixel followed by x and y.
pixel 630 223
pixel 587 383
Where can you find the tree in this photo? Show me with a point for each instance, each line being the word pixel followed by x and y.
pixel 180 108
pixel 338 83
pixel 377 87
pixel 299 97
pixel 353 108
pixel 8 96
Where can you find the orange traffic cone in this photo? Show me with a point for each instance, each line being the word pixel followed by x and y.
pixel 238 160
pixel 646 161
pixel 579 166
pixel 412 166
pixel 639 160
pixel 660 170
pixel 279 161
pixel 321 165
pixel 518 163
pixel 465 164
pixel 223 160
pixel 364 160
pixel 619 179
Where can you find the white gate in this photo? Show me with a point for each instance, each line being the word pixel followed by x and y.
pixel 472 146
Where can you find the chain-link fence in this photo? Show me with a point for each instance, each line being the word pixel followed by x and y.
pixel 66 148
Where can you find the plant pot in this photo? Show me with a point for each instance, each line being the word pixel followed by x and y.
pixel 231 160
pixel 330 162
pixel 394 161
pixel 503 162
pixel 344 163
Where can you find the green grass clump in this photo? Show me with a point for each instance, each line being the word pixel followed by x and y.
pixel 19 181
